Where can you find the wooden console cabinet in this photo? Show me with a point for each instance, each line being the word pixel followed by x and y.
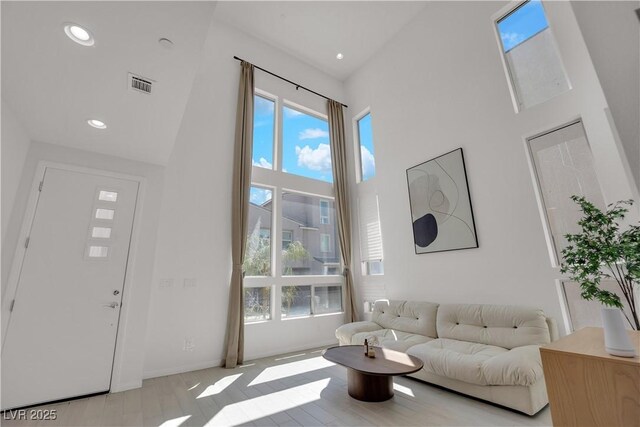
pixel 589 387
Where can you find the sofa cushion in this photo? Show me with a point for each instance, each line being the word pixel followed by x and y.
pixel 499 325
pixel 345 332
pixel 518 366
pixel 480 364
pixel 459 360
pixel 394 340
pixel 407 316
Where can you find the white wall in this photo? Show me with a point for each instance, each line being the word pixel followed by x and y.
pixel 128 372
pixel 15 144
pixel 194 238
pixel 612 33
pixel 440 85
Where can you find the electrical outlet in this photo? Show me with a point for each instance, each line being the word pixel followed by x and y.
pixel 189 345
pixel 165 283
pixel 190 283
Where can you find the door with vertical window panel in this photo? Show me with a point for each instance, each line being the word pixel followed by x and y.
pixel 61 335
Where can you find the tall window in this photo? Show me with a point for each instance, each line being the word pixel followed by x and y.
pixel 533 63
pixel 563 167
pixel 367 157
pixel 370 235
pixel 292 261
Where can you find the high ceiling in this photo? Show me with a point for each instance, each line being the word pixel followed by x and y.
pixel 315 31
pixel 54 85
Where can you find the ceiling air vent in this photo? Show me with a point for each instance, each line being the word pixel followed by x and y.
pixel 140 84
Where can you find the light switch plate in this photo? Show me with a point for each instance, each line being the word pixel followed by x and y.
pixel 190 283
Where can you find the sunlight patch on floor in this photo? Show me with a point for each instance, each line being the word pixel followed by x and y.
pixel 175 422
pixel 219 386
pixel 192 387
pixel 403 389
pixel 291 357
pixel 290 369
pixel 269 404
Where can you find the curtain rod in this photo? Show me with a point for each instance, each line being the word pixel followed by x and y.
pixel 298 86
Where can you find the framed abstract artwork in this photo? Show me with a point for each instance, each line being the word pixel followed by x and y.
pixel 441 212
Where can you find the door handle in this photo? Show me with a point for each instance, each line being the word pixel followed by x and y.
pixel 111 305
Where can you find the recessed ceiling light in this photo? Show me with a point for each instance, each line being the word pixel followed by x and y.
pixel 339 56
pixel 78 34
pixel 97 124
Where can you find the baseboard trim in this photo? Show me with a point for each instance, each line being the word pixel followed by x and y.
pixel 292 349
pixel 218 362
pixel 181 369
pixel 115 388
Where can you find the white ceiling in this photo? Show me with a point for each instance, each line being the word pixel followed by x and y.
pixel 315 31
pixel 54 85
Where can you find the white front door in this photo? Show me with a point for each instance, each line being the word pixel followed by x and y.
pixel 61 335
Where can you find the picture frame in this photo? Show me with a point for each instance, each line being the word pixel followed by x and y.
pixel 440 205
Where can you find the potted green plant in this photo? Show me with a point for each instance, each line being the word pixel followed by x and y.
pixel 603 250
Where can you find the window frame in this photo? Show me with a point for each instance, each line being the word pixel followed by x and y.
pixel 326 236
pixel 324 221
pixel 357 153
pixel 280 182
pixel 290 240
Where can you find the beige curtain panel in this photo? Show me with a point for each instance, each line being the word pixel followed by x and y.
pixel 341 186
pixel 240 211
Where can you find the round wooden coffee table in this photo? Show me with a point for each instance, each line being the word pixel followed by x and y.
pixel 371 380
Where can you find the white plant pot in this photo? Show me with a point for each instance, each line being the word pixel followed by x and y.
pixel 616 338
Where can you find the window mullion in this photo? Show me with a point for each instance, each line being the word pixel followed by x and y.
pixel 277 139
pixel 277 216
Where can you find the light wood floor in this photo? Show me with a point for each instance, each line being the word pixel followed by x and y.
pixel 298 389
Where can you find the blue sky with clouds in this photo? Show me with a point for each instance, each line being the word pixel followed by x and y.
pixel 521 25
pixel 259 195
pixel 306 148
pixel 367 156
pixel 263 128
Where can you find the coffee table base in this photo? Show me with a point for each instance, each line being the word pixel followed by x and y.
pixel 369 388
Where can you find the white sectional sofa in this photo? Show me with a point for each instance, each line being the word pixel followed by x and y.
pixel 487 351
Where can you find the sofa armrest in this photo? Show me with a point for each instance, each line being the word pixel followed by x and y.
pixel 345 332
pixel 553 329
pixel 518 366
